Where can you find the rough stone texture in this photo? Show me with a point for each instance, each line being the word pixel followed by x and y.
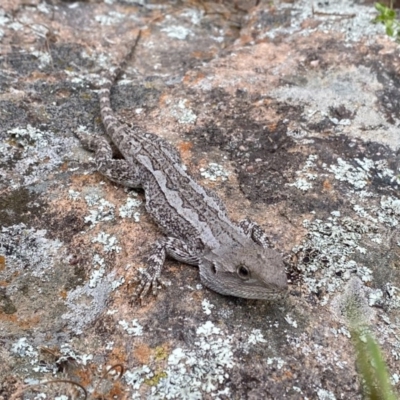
pixel 290 113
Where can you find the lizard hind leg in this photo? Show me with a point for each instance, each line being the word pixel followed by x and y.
pixel 119 171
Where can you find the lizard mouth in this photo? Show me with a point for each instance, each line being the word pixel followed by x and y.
pixel 247 290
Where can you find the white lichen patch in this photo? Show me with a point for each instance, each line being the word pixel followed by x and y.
pixel 356 176
pixel 135 378
pixel 182 113
pixel 313 351
pixel 326 256
pixel 207 306
pixel 331 253
pixel 97 274
pixel 291 321
pixel 29 136
pixel 103 212
pixel 92 199
pixel 356 89
pixel 117 283
pixel 190 372
pixel 87 303
pixel 325 394
pixel 130 208
pixel 133 329
pixel 28 251
pixel 22 22
pixel 44 8
pixel 195 15
pixel 111 18
pixel 95 277
pixel 305 176
pixel 4 19
pixel 390 211
pixel 177 32
pixel 24 349
pixel 73 195
pixel 277 361
pixel 355 23
pixel 256 337
pixel 36 153
pixel 109 242
pixel 44 58
pixel 391 298
pixel 395 379
pixel 69 354
pixel 214 172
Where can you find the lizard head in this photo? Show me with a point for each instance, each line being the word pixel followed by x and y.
pixel 249 271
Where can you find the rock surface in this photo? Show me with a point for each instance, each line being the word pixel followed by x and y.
pixel 291 113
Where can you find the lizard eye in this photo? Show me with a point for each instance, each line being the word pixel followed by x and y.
pixel 243 272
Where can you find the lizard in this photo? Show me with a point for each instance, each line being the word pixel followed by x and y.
pixel 234 259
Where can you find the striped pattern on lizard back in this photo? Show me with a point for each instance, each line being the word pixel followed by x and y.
pixel 233 259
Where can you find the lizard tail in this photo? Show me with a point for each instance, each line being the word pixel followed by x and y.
pixel 107 114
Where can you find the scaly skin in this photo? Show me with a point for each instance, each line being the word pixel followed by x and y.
pixel 233 259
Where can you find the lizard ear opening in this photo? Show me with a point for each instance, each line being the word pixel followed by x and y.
pixel 213 268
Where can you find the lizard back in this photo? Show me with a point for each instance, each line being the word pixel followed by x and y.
pixel 233 258
pixel 179 205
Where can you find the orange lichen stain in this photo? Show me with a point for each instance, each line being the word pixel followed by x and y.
pixel 327 185
pixel 198 295
pixel 142 353
pixel 8 317
pixel 199 54
pixel 63 93
pixel 185 147
pixel 193 78
pixel 63 294
pixel 202 55
pixel 163 99
pixel 36 75
pixel 116 391
pixel 86 179
pixel 245 39
pixel 64 166
pixel 271 126
pixel 24 324
pixel 288 374
pixel 144 32
pixel 85 376
pixel 29 323
pixel 117 356
pixel 2 262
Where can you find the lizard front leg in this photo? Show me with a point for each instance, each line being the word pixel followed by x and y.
pixel 255 232
pixel 118 171
pixel 150 277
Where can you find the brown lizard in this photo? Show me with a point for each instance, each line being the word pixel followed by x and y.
pixel 233 258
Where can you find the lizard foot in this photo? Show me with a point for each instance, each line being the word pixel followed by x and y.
pixel 86 139
pixel 149 280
